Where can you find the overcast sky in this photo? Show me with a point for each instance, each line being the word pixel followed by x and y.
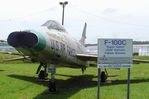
pixel 105 18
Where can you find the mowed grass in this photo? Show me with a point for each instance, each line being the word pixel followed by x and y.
pixel 19 81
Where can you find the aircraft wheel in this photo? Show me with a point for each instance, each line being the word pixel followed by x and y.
pixel 103 76
pixel 42 74
pixel 52 86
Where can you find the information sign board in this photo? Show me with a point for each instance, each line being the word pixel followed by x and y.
pixel 114 53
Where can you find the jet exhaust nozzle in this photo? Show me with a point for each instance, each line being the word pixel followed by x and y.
pixel 22 39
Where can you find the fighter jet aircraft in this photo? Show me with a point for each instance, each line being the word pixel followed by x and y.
pixel 52 46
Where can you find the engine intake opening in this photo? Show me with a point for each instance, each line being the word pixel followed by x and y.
pixel 22 39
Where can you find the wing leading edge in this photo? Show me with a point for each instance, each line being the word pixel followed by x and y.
pixel 87 57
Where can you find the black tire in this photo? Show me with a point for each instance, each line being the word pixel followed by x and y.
pixel 103 76
pixel 52 86
pixel 42 74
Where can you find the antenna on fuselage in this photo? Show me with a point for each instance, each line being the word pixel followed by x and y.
pixel 82 40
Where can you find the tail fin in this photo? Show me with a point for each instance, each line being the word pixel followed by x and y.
pixel 82 40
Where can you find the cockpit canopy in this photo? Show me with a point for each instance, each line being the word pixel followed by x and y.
pixel 51 24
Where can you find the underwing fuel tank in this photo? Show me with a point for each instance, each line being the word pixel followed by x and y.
pixel 27 40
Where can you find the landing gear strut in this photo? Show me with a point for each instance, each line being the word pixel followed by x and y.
pixel 52 84
pixel 42 74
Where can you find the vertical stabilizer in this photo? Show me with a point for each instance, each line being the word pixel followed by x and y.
pixel 82 40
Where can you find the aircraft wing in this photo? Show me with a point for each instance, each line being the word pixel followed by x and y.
pixel 87 57
pixel 11 53
pixel 16 58
pixel 140 61
pixel 93 57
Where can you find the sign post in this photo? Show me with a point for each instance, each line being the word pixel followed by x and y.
pixel 98 92
pixel 128 84
pixel 114 53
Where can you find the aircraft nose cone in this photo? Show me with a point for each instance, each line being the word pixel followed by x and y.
pixel 22 39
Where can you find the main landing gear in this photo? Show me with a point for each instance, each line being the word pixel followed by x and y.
pixel 104 76
pixel 42 74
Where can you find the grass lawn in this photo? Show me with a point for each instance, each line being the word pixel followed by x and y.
pixel 19 81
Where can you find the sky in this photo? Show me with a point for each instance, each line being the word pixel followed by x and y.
pixel 105 18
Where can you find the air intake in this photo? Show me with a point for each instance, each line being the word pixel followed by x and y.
pixel 22 39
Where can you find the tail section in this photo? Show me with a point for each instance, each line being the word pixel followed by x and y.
pixel 82 40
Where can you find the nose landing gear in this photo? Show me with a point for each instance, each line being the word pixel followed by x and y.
pixel 42 74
